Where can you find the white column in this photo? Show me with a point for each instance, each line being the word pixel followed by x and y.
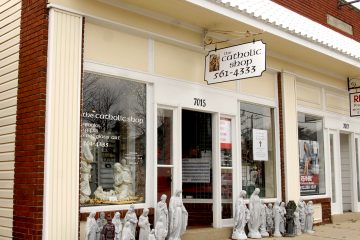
pixel 292 181
pixel 61 205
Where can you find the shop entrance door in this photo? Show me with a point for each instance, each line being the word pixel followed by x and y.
pixel 357 174
pixel 197 184
pixel 346 172
pixel 336 200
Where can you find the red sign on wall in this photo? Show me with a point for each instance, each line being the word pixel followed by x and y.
pixel 354 104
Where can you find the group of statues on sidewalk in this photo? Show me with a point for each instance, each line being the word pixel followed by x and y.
pixel 261 220
pixel 264 220
pixel 170 223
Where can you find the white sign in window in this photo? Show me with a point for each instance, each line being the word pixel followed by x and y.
pixel 237 62
pixel 260 145
pixel 225 133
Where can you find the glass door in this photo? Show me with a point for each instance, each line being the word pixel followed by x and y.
pixel 165 152
pixel 357 173
pixel 336 189
pixel 197 182
pixel 226 169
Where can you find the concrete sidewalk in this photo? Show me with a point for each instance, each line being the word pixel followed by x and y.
pixel 348 229
pixel 344 230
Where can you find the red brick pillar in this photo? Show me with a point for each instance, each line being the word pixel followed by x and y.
pixel 30 122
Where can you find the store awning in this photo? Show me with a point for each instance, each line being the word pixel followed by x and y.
pixel 272 17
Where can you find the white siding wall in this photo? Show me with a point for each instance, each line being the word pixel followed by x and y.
pixel 10 11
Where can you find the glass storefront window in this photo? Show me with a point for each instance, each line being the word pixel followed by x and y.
pixel 311 160
pixel 113 141
pixel 258 149
pixel 164 136
pixel 226 168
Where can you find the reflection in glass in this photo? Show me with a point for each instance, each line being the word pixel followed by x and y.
pixel 226 193
pixel 258 164
pixel 311 160
pixel 114 132
pixel 164 136
pixel 164 180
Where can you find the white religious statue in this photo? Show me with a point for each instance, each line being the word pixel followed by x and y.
pixel 178 217
pixel 162 212
pixel 118 226
pixel 301 209
pixel 127 233
pixel 131 218
pixel 103 195
pixel 253 176
pixel 144 225
pixel 263 209
pixel 152 235
pixel 283 217
pixel 101 222
pixel 85 168
pixel 269 219
pixel 122 180
pixel 85 177
pixel 277 219
pixel 91 227
pixel 255 209
pixel 297 223
pixel 309 219
pixel 160 229
pixel 241 217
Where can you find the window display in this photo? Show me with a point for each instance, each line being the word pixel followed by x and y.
pixel 113 141
pixel 311 161
pixel 257 149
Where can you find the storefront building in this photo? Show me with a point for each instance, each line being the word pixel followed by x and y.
pixel 105 105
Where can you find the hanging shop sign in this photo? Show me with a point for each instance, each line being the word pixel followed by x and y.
pixel 234 63
pixel 353 83
pixel 354 104
pixel 260 145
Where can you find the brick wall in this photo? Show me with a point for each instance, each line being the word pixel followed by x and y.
pixel 326 209
pixel 30 128
pixel 317 10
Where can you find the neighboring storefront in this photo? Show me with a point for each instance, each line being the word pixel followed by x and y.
pixel 129 116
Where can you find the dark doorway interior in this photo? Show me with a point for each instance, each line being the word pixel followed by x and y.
pixel 197 166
